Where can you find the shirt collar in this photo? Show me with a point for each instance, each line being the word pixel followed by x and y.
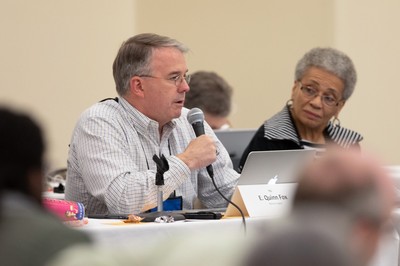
pixel 281 127
pixel 141 122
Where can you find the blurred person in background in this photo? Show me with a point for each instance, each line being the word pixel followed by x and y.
pixel 29 235
pixel 324 80
pixel 213 95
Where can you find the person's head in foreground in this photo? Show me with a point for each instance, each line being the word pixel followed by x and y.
pixel 213 95
pixel 21 157
pixel 356 184
pixel 298 245
pixel 29 234
pixel 341 205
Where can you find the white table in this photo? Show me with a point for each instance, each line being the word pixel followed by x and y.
pixel 115 233
pixel 106 232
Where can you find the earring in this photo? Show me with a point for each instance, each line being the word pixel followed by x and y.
pixel 289 103
pixel 335 121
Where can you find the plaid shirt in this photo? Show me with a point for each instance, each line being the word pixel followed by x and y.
pixel 110 165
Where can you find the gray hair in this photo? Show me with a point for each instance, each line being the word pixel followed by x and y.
pixel 333 61
pixel 134 55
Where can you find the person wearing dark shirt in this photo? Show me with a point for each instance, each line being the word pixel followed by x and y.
pixel 324 80
pixel 29 235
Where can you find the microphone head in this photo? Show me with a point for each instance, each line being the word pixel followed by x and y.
pixel 195 115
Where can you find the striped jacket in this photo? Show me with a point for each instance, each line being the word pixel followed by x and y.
pixel 280 133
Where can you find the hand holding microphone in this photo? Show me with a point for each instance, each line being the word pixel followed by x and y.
pixel 200 152
pixel 196 118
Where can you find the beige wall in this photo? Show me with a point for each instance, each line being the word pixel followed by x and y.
pixel 56 56
pixel 55 60
pixel 253 44
pixel 369 31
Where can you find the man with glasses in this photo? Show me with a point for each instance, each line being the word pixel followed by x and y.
pixel 324 80
pixel 110 165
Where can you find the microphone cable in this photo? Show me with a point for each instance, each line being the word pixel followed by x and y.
pixel 231 202
pixel 196 118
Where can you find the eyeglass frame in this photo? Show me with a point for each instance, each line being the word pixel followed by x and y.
pixel 323 97
pixel 175 78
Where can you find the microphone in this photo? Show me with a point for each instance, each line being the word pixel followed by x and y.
pixel 196 118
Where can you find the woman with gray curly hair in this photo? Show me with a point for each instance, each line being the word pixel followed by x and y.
pixel 324 80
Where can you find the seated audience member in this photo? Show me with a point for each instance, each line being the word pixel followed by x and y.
pixel 110 163
pixel 299 244
pixel 213 95
pixel 28 234
pixel 345 199
pixel 357 184
pixel 324 80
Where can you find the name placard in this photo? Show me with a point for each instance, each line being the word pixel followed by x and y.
pixel 262 200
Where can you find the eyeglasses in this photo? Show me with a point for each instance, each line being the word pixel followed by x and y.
pixel 177 79
pixel 310 93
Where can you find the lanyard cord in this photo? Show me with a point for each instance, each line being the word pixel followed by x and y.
pixel 145 157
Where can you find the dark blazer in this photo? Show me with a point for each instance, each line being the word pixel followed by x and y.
pixel 280 133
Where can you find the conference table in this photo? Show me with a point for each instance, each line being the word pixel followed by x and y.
pixel 115 233
pixel 189 242
pixel 107 232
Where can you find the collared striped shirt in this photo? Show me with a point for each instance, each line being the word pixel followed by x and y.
pixel 110 165
pixel 281 127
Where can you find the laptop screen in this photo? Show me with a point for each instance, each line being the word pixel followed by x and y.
pixel 266 167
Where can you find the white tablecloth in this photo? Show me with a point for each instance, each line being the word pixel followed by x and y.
pixel 110 232
pixel 107 232
pixel 114 233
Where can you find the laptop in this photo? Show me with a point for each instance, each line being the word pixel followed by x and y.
pixel 235 142
pixel 274 167
pixel 268 168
